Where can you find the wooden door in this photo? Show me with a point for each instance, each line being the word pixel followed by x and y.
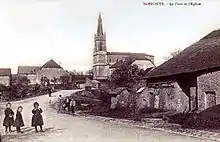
pixel 210 99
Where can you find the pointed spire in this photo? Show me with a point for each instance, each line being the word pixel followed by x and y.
pixel 99 29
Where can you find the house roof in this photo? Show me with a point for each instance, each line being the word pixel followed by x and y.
pixel 129 60
pixel 28 69
pixel 202 55
pixel 128 54
pixel 5 71
pixel 51 64
pixel 140 90
pixel 117 90
pixel 148 70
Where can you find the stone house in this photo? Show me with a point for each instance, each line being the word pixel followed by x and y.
pixel 30 72
pixel 50 70
pixel 5 76
pixel 193 74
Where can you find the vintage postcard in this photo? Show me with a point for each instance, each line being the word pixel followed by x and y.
pixel 109 70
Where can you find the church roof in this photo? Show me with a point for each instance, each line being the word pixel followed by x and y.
pixel 51 64
pixel 99 28
pixel 129 54
pixel 129 60
pixel 5 71
pixel 200 56
pixel 28 69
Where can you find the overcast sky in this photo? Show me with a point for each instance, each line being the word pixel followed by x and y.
pixel 34 31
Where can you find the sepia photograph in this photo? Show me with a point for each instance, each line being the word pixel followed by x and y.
pixel 109 70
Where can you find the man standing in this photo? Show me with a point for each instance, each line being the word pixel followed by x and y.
pixel 59 103
pixel 49 91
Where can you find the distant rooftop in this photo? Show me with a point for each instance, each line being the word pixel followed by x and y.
pixel 28 69
pixel 130 59
pixel 128 53
pixel 5 71
pixel 51 64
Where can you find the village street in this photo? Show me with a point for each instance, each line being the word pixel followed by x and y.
pixel 66 128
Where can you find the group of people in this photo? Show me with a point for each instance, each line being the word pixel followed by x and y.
pixel 68 104
pixel 9 121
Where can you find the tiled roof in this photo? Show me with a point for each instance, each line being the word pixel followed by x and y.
pixel 202 55
pixel 5 71
pixel 117 90
pixel 129 60
pixel 28 69
pixel 128 54
pixel 51 64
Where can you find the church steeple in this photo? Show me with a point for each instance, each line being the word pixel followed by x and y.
pixel 100 29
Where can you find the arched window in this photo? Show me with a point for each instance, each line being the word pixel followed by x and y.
pixel 100 46
pixel 110 60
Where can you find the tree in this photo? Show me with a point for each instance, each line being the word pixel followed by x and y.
pixel 173 53
pixel 14 79
pixel 89 73
pixel 66 81
pixel 54 80
pixel 72 76
pixel 44 81
pixel 23 80
pixel 126 76
pixel 3 87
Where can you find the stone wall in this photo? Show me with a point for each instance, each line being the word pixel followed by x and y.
pixel 208 83
pixel 50 73
pixel 144 99
pixel 170 97
pixel 32 78
pixel 124 98
pixel 5 80
pixel 100 72
pixel 112 59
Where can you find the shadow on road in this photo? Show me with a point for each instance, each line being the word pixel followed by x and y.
pixel 27 132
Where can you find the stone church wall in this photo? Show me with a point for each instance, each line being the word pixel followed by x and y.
pixel 114 58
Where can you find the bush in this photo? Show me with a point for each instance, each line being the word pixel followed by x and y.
pixel 2 87
pixel 20 91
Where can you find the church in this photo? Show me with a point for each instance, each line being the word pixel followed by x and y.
pixel 105 62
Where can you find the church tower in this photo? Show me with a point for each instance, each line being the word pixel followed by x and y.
pixel 100 65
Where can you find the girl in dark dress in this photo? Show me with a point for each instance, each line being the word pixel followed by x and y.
pixel 9 118
pixel 37 119
pixel 19 120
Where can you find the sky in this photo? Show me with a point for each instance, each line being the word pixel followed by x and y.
pixel 35 31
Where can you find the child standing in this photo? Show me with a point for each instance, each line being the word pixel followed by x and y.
pixel 67 104
pixel 19 120
pixel 72 105
pixel 9 117
pixel 37 119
